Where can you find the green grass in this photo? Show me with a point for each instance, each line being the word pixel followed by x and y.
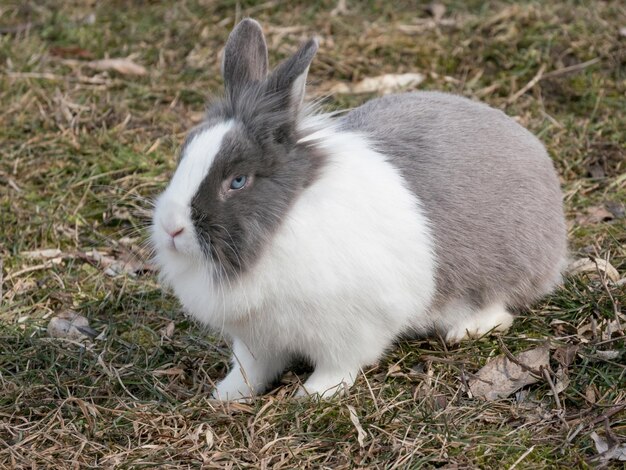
pixel 83 151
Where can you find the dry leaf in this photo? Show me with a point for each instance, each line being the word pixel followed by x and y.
pixel 609 355
pixel 586 265
pixel 617 209
pixel 361 434
pixel 565 355
pixel 596 171
pixel 70 325
pixel 120 65
pixel 501 377
pixel 594 215
pixel 606 453
pixel 562 328
pixel 585 332
pixel 383 84
pixel 126 264
pixel 562 380
pixel 168 331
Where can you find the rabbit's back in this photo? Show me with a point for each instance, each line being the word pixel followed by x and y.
pixel 487 186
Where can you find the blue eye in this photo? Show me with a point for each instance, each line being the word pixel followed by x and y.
pixel 238 182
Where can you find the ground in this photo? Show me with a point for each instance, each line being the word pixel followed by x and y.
pixel 84 147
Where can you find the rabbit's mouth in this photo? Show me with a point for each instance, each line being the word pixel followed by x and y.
pixel 222 249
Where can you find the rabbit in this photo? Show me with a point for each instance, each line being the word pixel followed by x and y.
pixel 301 234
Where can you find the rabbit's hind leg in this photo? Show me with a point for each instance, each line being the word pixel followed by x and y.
pixel 461 321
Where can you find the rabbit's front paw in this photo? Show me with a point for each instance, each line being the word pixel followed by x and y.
pixel 327 383
pixel 233 388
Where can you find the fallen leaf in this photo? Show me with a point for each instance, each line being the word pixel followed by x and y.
pixel 383 84
pixel 120 65
pixel 70 325
pixel 501 377
pixel 585 332
pixel 168 331
pixel 590 394
pixel 622 31
pixel 616 208
pixel 609 355
pixel 565 355
pixel 605 452
pixel 361 434
pixel 611 328
pixel 562 380
pixel 208 437
pixel 22 285
pixel 563 328
pixel 594 215
pixel 596 171
pixel 127 263
pixel 586 265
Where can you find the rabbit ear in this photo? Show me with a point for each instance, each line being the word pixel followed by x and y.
pixel 289 78
pixel 245 55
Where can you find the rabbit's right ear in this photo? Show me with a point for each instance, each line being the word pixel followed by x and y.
pixel 245 56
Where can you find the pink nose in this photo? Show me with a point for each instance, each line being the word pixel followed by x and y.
pixel 177 231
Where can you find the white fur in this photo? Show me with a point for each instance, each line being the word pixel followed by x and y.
pixel 350 268
pixel 173 210
pixel 460 320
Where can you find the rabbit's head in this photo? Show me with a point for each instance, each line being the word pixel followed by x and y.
pixel 242 168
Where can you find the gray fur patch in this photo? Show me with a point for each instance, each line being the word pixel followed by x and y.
pixel 486 184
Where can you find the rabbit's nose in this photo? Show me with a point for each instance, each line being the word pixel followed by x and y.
pixel 175 232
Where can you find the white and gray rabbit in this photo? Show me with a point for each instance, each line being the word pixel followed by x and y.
pixel 298 234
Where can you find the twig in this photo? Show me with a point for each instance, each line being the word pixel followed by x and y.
pixel 546 375
pixel 521 457
pixel 54 77
pixel 529 85
pixel 608 291
pixel 582 421
pixel 571 68
pixel 39 267
pixel 613 410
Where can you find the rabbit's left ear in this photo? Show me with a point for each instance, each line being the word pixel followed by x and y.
pixel 289 78
pixel 245 56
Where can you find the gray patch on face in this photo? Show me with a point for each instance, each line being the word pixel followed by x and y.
pixel 235 230
pixel 487 186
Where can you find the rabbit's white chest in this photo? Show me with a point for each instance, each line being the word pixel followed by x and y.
pixel 354 257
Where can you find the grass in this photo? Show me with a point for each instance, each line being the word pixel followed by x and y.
pixel 83 149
